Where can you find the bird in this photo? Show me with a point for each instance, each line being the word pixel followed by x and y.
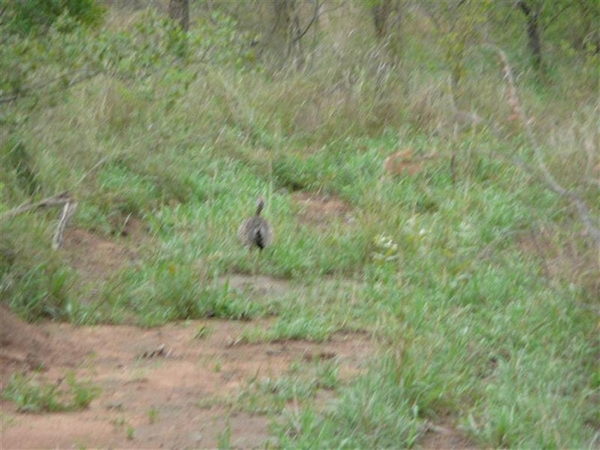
pixel 256 231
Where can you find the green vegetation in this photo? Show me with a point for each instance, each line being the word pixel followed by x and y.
pixel 478 283
pixel 153 415
pixel 29 395
pixel 271 396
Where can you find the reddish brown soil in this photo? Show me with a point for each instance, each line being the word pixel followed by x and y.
pixel 404 163
pixel 181 397
pixel 26 347
pixel 445 437
pixel 320 210
pixel 95 257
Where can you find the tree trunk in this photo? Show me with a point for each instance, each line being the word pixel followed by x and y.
pixel 387 20
pixel 533 34
pixel 381 13
pixel 286 33
pixel 179 10
pixel 588 36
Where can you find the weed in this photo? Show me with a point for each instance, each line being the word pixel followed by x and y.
pixel 130 432
pixel 225 438
pixel 83 393
pixel 31 395
pixel 209 402
pixel 327 375
pixel 270 396
pixel 299 386
pixel 153 415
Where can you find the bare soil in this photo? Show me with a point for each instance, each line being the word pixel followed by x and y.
pixel 320 210
pixel 161 387
pixel 169 387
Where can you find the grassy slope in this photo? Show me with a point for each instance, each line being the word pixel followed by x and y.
pixel 471 323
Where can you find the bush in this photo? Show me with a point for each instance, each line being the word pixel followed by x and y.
pixel 33 16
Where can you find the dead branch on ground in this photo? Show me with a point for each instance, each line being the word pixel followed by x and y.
pixel 63 199
pixel 67 213
pixel 55 200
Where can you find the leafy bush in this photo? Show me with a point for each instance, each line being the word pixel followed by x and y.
pixel 31 16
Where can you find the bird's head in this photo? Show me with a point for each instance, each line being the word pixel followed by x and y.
pixel 260 204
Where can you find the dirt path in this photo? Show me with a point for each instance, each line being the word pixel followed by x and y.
pixel 177 397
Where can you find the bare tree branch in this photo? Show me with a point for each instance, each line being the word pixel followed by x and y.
pixel 312 20
pixel 327 11
pixel 579 204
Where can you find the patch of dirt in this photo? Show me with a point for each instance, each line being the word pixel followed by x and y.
pixel 404 163
pixel 95 257
pixel 25 347
pixel 447 438
pixel 259 285
pixel 178 397
pixel 319 210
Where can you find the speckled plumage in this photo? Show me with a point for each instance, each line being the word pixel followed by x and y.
pixel 256 231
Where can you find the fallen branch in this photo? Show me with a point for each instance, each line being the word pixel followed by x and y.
pixel 67 213
pixel 63 199
pixel 55 200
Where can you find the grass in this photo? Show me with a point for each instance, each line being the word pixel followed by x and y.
pixel 476 282
pixel 300 384
pixel 32 396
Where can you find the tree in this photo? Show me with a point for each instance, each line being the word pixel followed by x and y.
pixel 532 14
pixel 587 37
pixel 179 11
pixel 292 19
pixel 457 25
pixel 387 21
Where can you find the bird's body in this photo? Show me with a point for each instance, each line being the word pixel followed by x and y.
pixel 256 231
